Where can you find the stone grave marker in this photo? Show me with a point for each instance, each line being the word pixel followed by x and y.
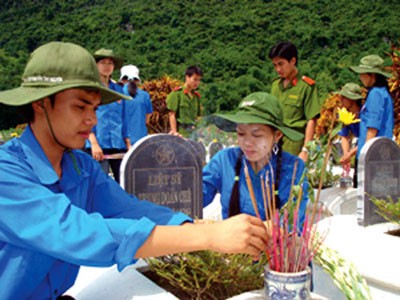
pixel 166 170
pixel 201 150
pixel 378 176
pixel 213 148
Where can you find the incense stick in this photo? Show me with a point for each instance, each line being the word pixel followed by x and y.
pixel 251 190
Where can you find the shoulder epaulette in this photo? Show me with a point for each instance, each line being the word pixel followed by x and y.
pixel 177 88
pixel 276 78
pixel 197 94
pixel 308 80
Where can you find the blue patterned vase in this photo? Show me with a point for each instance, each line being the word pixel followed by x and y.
pixel 287 286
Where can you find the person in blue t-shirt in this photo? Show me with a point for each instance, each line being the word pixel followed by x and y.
pixel 351 99
pixel 109 136
pixel 59 210
pixel 137 111
pixel 377 117
pixel 259 128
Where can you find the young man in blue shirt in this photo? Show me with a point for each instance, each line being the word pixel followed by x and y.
pixel 59 210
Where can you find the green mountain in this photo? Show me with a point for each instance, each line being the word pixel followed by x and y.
pixel 229 39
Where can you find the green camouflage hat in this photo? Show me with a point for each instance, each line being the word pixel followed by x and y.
pixel 55 67
pixel 371 64
pixel 108 53
pixel 259 108
pixel 351 91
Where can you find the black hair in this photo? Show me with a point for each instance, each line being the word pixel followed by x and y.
pixel 381 81
pixel 359 102
pixel 285 50
pixel 191 70
pixel 26 110
pixel 234 201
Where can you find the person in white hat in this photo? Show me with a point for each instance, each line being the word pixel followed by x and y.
pixel 138 111
pixel 129 73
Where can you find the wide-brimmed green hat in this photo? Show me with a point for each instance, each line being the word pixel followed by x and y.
pixel 108 53
pixel 371 64
pixel 55 67
pixel 351 91
pixel 259 108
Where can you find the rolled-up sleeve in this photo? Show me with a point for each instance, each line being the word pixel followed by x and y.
pixel 67 227
pixel 374 110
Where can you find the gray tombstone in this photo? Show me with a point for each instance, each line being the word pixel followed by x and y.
pixel 200 150
pixel 378 176
pixel 166 170
pixel 213 148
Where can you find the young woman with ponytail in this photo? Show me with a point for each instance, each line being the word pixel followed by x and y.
pixel 259 128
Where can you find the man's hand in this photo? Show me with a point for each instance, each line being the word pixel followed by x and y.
pixel 239 234
pixel 176 133
pixel 97 152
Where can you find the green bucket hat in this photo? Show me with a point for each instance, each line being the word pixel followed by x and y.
pixel 55 67
pixel 351 91
pixel 108 53
pixel 259 108
pixel 371 64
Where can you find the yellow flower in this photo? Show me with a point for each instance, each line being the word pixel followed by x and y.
pixel 14 134
pixel 347 117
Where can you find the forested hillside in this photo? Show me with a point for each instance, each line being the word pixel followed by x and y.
pixel 229 39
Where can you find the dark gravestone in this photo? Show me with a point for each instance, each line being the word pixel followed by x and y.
pixel 378 176
pixel 200 149
pixel 166 170
pixel 213 148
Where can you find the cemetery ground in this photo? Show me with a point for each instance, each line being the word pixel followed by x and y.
pixel 353 228
pixel 355 231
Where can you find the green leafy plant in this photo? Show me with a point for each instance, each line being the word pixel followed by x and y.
pixel 388 209
pixel 317 150
pixel 207 275
pixel 159 90
pixel 206 133
pixel 12 132
pixel 343 273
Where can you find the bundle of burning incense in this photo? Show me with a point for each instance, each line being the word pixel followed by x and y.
pixel 291 246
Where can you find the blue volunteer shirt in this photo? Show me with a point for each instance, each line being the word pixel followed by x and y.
pixel 377 113
pixel 135 113
pixel 352 128
pixel 111 128
pixel 50 226
pixel 219 174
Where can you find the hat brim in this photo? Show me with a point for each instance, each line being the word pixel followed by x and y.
pixel 348 96
pixel 228 122
pixel 363 70
pixel 118 61
pixel 129 78
pixel 24 95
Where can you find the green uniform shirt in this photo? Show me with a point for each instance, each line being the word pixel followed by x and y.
pixel 187 108
pixel 300 103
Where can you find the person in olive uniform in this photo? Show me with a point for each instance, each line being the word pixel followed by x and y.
pixel 298 96
pixel 183 103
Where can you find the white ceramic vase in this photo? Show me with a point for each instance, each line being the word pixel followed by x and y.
pixel 288 286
